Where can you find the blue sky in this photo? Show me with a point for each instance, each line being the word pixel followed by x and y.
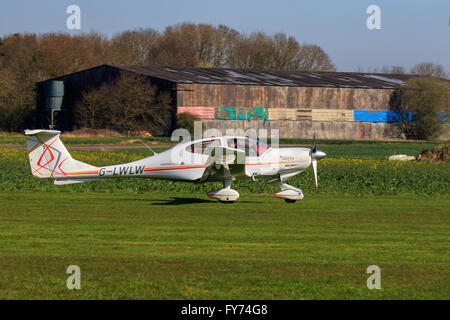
pixel 412 31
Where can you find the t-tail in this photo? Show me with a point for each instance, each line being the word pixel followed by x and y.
pixel 49 158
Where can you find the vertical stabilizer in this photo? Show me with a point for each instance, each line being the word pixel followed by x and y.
pixel 49 157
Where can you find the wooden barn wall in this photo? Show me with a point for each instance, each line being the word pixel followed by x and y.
pixel 307 129
pixel 209 95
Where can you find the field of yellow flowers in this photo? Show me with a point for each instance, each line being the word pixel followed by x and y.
pixel 336 176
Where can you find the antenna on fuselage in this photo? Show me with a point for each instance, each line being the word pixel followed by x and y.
pixel 154 153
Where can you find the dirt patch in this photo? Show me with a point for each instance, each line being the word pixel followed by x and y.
pixel 87 132
pixel 141 133
pixel 439 153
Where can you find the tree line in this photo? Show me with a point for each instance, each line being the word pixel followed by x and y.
pixel 29 58
pixel 420 69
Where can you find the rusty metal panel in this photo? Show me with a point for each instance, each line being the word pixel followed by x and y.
pixel 276 97
pixel 337 98
pixel 204 95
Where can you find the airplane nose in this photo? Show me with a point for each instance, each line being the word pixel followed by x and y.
pixel 317 155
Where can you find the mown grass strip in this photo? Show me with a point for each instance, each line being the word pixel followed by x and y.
pixel 164 246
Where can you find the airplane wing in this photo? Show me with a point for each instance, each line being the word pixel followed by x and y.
pixel 224 163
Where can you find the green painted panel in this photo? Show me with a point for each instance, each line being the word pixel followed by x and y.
pixel 241 113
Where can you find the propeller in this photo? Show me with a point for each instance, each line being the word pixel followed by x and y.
pixel 316 155
pixel 314 164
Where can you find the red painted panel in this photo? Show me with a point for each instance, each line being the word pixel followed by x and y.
pixel 201 112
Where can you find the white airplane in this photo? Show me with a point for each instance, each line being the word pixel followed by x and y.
pixel 204 160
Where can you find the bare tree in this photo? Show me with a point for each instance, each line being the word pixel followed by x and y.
pixel 313 58
pixel 429 69
pixel 389 69
pixel 93 109
pixel 135 47
pixel 17 104
pixel 260 51
pixel 286 52
pixel 1 48
pixel 226 39
pixel 395 69
pixel 128 104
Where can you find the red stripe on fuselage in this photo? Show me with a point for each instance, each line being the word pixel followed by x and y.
pixel 173 168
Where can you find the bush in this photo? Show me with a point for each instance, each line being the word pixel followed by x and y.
pixel 417 103
pixel 185 120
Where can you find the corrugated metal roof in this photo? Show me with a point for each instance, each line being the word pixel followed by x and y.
pixel 272 78
pixel 227 76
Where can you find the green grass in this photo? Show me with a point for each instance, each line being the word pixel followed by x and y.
pixel 155 246
pixel 380 150
pixel 334 148
pixel 150 239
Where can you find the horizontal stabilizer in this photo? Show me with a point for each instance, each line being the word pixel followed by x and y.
pixel 61 182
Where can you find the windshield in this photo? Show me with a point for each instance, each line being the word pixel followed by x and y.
pixel 203 147
pixel 252 147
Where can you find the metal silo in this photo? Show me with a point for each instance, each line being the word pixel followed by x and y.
pixel 54 93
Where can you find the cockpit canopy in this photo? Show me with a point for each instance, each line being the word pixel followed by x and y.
pixel 251 147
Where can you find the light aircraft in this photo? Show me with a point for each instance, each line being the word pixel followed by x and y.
pixel 225 159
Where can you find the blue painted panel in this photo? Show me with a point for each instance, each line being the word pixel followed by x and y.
pixel 380 116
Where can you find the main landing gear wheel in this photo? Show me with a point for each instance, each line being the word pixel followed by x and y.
pixel 290 200
pixel 224 195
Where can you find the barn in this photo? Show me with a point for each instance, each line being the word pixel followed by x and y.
pixel 333 105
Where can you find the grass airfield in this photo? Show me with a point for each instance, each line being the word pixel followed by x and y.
pixel 186 246
pixel 149 239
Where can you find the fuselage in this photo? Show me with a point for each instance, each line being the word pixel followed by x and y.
pixel 188 161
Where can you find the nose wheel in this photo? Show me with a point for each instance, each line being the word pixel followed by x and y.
pixel 288 193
